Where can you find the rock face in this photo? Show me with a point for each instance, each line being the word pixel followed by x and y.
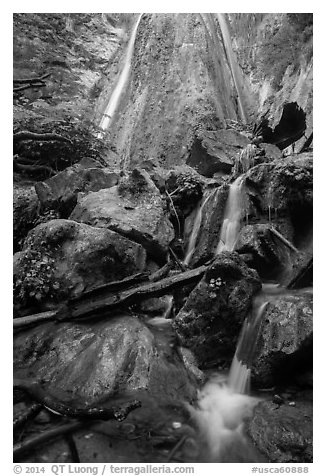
pixel 60 192
pixel 268 254
pixel 210 320
pixel 284 186
pixel 214 151
pixel 25 212
pixel 82 363
pixel 212 214
pixel 180 80
pixel 282 432
pixel 285 344
pixel 134 209
pixel 62 258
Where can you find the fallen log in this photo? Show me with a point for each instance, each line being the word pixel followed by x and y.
pixel 26 416
pixel 162 272
pixel 31 80
pixel 29 86
pixel 34 390
pixel 97 306
pixel 93 303
pixel 283 240
pixel 112 287
pixel 47 136
pixel 46 436
pixel 34 168
pixel 34 318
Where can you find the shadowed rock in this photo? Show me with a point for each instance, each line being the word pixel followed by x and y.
pixel 133 209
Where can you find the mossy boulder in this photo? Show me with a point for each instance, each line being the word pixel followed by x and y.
pixel 210 321
pixel 62 258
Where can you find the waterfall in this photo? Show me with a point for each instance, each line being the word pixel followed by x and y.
pixel 232 62
pixel 196 226
pixel 233 214
pixel 239 375
pixel 223 405
pixel 122 81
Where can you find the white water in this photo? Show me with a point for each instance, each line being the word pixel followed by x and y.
pixel 233 214
pixel 239 376
pixel 122 81
pixel 222 406
pixel 196 226
pixel 233 63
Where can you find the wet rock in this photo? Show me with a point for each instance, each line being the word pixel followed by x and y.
pixel 62 258
pixel 82 363
pixel 214 151
pixel 281 432
pixel 186 188
pixel 157 173
pixel 134 209
pixel 269 256
pixel 210 321
pixel 25 212
pixel 270 152
pixel 211 223
pixel 60 192
pixel 301 273
pixel 284 347
pixel 282 190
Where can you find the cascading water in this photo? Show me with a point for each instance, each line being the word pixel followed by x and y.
pixel 232 217
pixel 233 63
pixel 122 81
pixel 239 375
pixel 223 405
pixel 196 226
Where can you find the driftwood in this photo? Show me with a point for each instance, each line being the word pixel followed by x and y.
pixel 47 136
pixel 96 307
pixel 27 415
pixel 44 437
pixel 34 390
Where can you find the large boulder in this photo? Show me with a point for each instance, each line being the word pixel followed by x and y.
pixel 82 363
pixel 63 258
pixel 186 187
pixel 25 212
pixel 214 151
pixel 60 192
pixel 283 433
pixel 284 346
pixel 134 208
pixel 210 321
pixel 268 254
pixel 282 190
